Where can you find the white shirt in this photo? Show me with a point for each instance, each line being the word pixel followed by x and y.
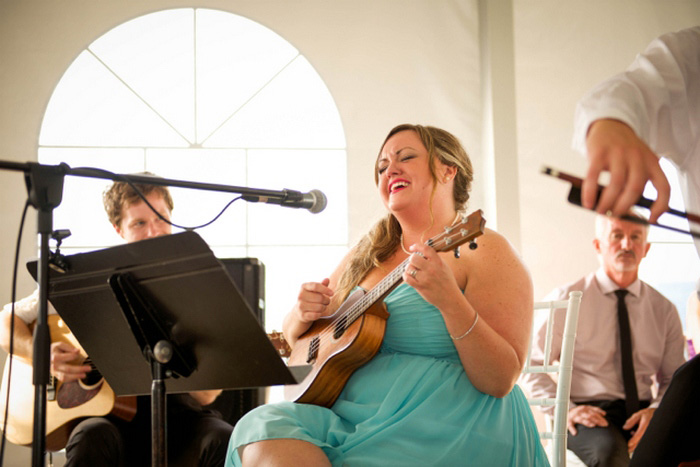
pixel 659 97
pixel 27 309
pixel 657 342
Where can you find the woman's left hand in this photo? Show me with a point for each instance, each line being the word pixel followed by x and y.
pixel 430 276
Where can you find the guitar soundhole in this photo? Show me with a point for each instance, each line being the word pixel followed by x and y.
pixel 340 327
pixel 313 349
pixel 92 378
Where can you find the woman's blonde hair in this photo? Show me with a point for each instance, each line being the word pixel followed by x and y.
pixel 383 238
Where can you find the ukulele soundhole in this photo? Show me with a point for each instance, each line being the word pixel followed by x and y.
pixel 313 349
pixel 340 327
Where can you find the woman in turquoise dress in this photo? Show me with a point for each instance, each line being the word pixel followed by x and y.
pixel 442 389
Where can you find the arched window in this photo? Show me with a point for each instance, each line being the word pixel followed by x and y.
pixel 208 96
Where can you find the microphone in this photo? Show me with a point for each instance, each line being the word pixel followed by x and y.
pixel 314 201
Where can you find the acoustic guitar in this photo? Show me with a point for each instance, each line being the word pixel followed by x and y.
pixel 337 345
pixel 67 403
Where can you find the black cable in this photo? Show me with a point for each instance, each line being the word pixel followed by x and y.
pixel 117 177
pixel 12 330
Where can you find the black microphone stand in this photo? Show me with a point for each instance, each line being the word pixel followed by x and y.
pixel 45 191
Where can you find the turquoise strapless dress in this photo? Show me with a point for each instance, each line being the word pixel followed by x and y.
pixel 411 405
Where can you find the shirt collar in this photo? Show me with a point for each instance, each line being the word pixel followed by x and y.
pixel 607 286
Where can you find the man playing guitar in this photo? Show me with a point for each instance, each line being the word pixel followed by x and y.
pixel 196 436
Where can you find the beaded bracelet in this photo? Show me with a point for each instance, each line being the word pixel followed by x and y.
pixel 468 330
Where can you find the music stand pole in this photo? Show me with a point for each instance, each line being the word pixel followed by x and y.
pixel 159 418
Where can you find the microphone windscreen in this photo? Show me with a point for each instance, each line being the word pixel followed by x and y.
pixel 319 201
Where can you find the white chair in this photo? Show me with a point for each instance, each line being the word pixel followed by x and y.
pixel 563 369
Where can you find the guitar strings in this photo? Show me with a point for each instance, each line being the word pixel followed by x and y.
pixel 359 307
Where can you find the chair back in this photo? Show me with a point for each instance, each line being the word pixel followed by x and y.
pixel 562 369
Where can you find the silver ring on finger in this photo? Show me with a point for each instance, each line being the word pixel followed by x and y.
pixel 413 273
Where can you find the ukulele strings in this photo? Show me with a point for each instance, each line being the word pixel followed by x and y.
pixel 357 309
pixel 370 297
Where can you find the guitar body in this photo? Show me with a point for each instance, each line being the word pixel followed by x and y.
pixel 67 403
pixel 335 359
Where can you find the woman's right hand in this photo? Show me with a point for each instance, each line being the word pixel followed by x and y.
pixel 312 304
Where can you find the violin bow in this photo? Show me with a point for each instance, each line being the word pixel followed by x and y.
pixel 575 198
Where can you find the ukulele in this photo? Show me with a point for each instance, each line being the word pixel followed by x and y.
pixel 337 345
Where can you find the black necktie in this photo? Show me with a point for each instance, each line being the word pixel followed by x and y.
pixel 631 397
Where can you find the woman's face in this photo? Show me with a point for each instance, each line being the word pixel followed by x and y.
pixel 404 173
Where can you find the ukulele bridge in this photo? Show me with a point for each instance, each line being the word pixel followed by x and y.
pixel 313 349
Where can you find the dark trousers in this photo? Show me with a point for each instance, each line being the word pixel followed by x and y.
pixel 673 436
pixel 195 438
pixel 604 446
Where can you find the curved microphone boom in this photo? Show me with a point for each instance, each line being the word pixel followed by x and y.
pixel 315 201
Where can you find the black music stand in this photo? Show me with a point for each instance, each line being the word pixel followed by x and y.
pixel 169 310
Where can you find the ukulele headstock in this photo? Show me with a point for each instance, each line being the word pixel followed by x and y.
pixel 467 230
pixel 280 344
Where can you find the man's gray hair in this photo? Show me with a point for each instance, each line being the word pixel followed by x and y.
pixel 602 220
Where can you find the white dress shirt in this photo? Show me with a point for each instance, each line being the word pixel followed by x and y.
pixel 659 97
pixel 27 309
pixel 657 342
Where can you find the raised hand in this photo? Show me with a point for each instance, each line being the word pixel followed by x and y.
pixel 312 303
pixel 614 147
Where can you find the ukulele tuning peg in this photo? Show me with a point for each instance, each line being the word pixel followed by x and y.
pixel 473 245
pixel 456 252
